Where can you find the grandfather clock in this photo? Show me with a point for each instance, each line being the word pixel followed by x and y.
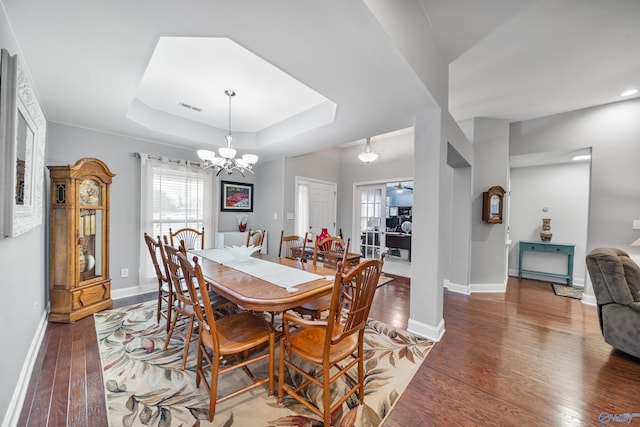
pixel 79 281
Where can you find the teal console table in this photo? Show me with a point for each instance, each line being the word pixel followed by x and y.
pixel 556 248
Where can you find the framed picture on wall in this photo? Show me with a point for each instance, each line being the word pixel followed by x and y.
pixel 236 197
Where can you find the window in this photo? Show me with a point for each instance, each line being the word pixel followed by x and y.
pixel 174 194
pixel 302 208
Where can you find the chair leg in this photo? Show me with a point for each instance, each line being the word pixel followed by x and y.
pixel 187 342
pixel 169 310
pixel 281 372
pixel 326 394
pixel 272 356
pixel 159 300
pixel 361 375
pixel 173 326
pixel 215 365
pixel 199 368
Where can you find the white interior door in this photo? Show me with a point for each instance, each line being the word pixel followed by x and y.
pixel 372 217
pixel 322 207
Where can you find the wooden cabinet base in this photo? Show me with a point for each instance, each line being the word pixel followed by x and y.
pixel 69 306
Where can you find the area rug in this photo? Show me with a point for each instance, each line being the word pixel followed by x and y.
pixel 567 291
pixel 145 385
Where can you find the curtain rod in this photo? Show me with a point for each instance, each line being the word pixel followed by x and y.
pixel 166 159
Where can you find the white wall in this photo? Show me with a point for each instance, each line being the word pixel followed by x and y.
pixel 564 189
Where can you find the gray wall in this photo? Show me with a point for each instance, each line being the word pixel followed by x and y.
pixel 488 241
pixel 228 221
pixel 323 165
pixel 67 144
pixel 269 201
pixel 613 132
pixel 23 265
pixel 564 190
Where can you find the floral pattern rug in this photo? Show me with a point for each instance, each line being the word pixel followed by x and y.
pixel 145 386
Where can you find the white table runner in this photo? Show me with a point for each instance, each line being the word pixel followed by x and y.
pixel 278 274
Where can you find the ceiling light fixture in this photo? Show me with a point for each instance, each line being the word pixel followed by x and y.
pixel 227 161
pixel 629 92
pixel 368 156
pixel 581 157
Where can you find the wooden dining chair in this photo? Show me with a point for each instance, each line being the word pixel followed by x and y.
pixel 236 339
pixel 331 250
pixel 334 255
pixel 165 294
pixel 255 237
pixel 193 239
pixel 329 343
pixel 292 246
pixel 184 316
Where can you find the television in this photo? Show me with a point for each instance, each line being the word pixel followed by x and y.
pixel 393 222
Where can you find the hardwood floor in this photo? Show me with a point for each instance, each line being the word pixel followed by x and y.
pixel 526 357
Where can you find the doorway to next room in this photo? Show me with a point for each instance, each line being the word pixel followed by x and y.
pixel 383 219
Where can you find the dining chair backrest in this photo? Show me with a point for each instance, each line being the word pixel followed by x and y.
pixel 194 281
pixel 255 237
pixel 158 258
pixel 181 295
pixel 351 300
pixel 161 268
pixel 292 246
pixel 332 250
pixel 335 344
pixel 193 239
pixel 237 337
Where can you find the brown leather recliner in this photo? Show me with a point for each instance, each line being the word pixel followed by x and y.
pixel 616 283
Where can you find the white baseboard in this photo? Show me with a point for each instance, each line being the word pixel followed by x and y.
pixel 487 287
pixel 455 287
pixel 20 391
pixel 577 281
pixel 433 333
pixel 134 290
pixel 17 400
pixel 589 299
pixel 474 288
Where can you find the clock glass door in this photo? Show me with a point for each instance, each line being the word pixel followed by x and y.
pixel 90 251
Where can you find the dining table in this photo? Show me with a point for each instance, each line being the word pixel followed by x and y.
pixel 252 292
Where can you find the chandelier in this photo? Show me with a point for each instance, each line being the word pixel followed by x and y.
pixel 368 155
pixel 227 161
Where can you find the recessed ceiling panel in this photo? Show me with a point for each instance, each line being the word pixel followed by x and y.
pixel 187 77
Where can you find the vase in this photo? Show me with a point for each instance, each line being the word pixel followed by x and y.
pixel 545 234
pixel 323 235
pixel 242 222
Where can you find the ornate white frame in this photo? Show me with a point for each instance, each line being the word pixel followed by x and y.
pixel 17 97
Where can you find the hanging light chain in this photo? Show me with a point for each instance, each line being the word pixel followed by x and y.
pixel 230 94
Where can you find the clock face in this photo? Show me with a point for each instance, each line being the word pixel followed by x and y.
pixel 89 192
